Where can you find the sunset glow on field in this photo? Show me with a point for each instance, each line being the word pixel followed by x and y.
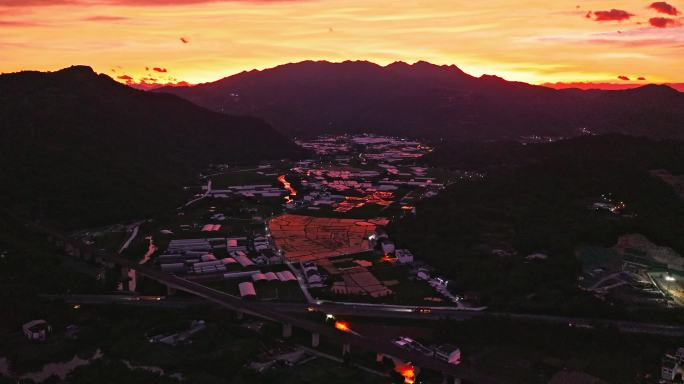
pixel 163 41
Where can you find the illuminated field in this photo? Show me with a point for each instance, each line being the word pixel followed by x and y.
pixel 306 238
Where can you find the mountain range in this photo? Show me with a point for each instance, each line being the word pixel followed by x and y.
pixel 422 99
pixel 82 148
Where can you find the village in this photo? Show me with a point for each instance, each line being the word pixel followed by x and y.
pixel 311 230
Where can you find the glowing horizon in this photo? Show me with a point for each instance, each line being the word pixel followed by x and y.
pixel 199 41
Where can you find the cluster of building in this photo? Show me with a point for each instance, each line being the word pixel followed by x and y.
pixel 360 170
pixel 248 289
pixel 198 255
pixel 194 256
pixel 635 271
pixel 445 352
pixel 255 190
pixel 325 145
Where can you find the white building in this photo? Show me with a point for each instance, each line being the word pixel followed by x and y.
pixel 36 329
pixel 404 256
pixel 672 365
pixel 449 353
pixel 668 369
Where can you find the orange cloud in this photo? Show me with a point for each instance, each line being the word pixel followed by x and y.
pixel 158 69
pixel 612 15
pixel 128 79
pixel 663 7
pixel 623 77
pixel 662 22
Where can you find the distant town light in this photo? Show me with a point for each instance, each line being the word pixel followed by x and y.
pixel 669 278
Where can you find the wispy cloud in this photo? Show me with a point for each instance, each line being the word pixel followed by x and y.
pixel 136 3
pixel 105 18
pixel 19 23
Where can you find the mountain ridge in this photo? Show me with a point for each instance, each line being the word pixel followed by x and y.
pixel 432 101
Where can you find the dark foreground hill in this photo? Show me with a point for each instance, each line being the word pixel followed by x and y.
pixel 80 148
pixel 427 100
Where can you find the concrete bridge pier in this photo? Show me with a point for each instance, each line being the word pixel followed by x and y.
pixel 379 357
pixel 170 291
pixel 346 349
pixel 125 280
pixel 240 315
pixel 287 330
pixel 315 340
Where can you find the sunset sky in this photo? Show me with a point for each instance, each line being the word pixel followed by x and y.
pixel 203 40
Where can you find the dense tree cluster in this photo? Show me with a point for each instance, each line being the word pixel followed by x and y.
pixel 538 198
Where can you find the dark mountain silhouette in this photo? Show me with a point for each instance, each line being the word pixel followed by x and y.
pixel 427 100
pixel 81 148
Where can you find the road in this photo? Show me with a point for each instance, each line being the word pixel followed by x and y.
pixel 387 312
pixel 206 193
pixel 134 233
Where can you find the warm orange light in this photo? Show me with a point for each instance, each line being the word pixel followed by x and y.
pixel 351 202
pixel 408 372
pixel 342 326
pixel 288 187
